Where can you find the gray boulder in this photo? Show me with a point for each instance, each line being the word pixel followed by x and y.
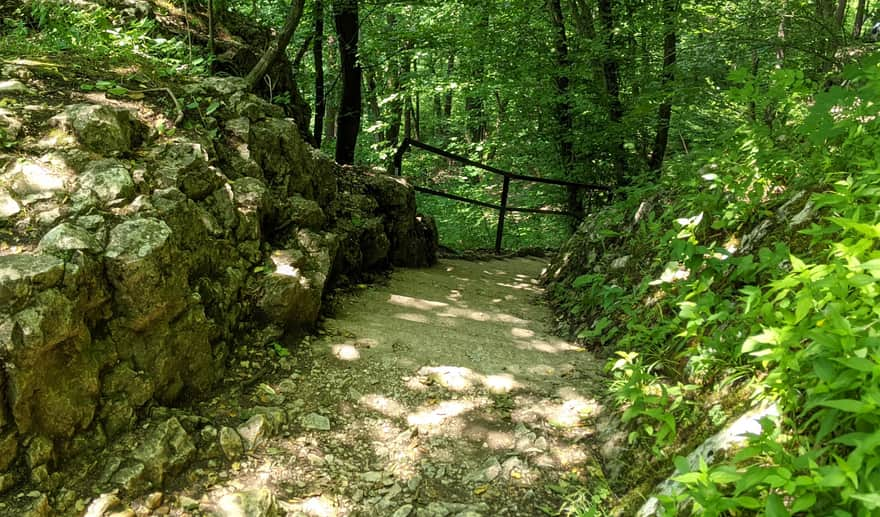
pixel 22 274
pixel 8 449
pixel 291 293
pixel 231 443
pixel 13 87
pixel 66 238
pixel 52 374
pixel 147 284
pixel 185 165
pixel 32 180
pixel 10 126
pixel 109 180
pixel 166 450
pixel 9 207
pixel 105 130
pixel 250 196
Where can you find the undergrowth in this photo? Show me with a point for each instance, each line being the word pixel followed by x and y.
pixel 753 264
pixel 102 35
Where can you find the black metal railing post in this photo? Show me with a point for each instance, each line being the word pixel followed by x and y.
pixel 501 213
pixel 596 192
pixel 398 157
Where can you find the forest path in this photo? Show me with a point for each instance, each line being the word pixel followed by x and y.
pixel 446 395
pixel 440 393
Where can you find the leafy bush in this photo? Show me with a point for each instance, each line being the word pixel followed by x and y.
pixel 723 291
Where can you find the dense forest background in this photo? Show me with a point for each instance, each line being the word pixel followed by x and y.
pixel 738 263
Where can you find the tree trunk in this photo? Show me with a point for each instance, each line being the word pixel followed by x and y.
pixel 611 73
pixel 562 84
pixel 562 106
pixel 860 19
pixel 396 105
pixel 278 46
pixel 664 112
pixel 345 15
pixel 373 103
pixel 318 52
pixel 839 14
pixel 780 35
pixel 211 27
pixel 447 101
pixel 417 109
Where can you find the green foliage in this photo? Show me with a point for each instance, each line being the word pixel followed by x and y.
pixel 49 27
pixel 796 317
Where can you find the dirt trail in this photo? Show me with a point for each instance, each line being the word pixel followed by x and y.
pixel 446 395
pixel 438 394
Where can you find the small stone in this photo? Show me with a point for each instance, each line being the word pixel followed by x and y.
pixel 403 511
pixel 39 508
pixel 187 503
pixel 252 503
pixel 67 237
pixel 231 443
pixel 153 500
pixel 40 475
pixel 13 86
pixel 103 505
pixel 254 432
pixel 372 477
pixel 8 206
pixel 316 422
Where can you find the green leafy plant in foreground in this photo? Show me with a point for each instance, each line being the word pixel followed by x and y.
pixel 797 319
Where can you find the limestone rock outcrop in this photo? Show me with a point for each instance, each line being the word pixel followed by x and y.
pixel 148 260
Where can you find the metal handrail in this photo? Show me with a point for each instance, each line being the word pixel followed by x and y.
pixel 505 190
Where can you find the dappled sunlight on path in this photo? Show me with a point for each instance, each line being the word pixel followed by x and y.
pixel 453 383
pixel 439 394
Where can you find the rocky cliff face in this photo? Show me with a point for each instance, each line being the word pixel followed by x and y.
pixel 136 262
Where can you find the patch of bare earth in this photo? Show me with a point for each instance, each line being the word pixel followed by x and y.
pixel 440 393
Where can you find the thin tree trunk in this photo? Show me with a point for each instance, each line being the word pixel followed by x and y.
pixel 839 14
pixel 396 105
pixel 301 53
pixel 562 107
pixel 349 119
pixel 664 112
pixel 447 101
pixel 211 27
pixel 780 34
pixel 278 46
pixel 860 19
pixel 611 73
pixel 318 52
pixel 373 102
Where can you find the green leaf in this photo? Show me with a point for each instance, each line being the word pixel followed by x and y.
pixel 775 507
pixel 858 363
pixel 848 405
pixel 214 106
pixel 870 501
pixel 689 478
pixel 117 90
pixel 724 475
pixel 747 502
pixel 803 503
